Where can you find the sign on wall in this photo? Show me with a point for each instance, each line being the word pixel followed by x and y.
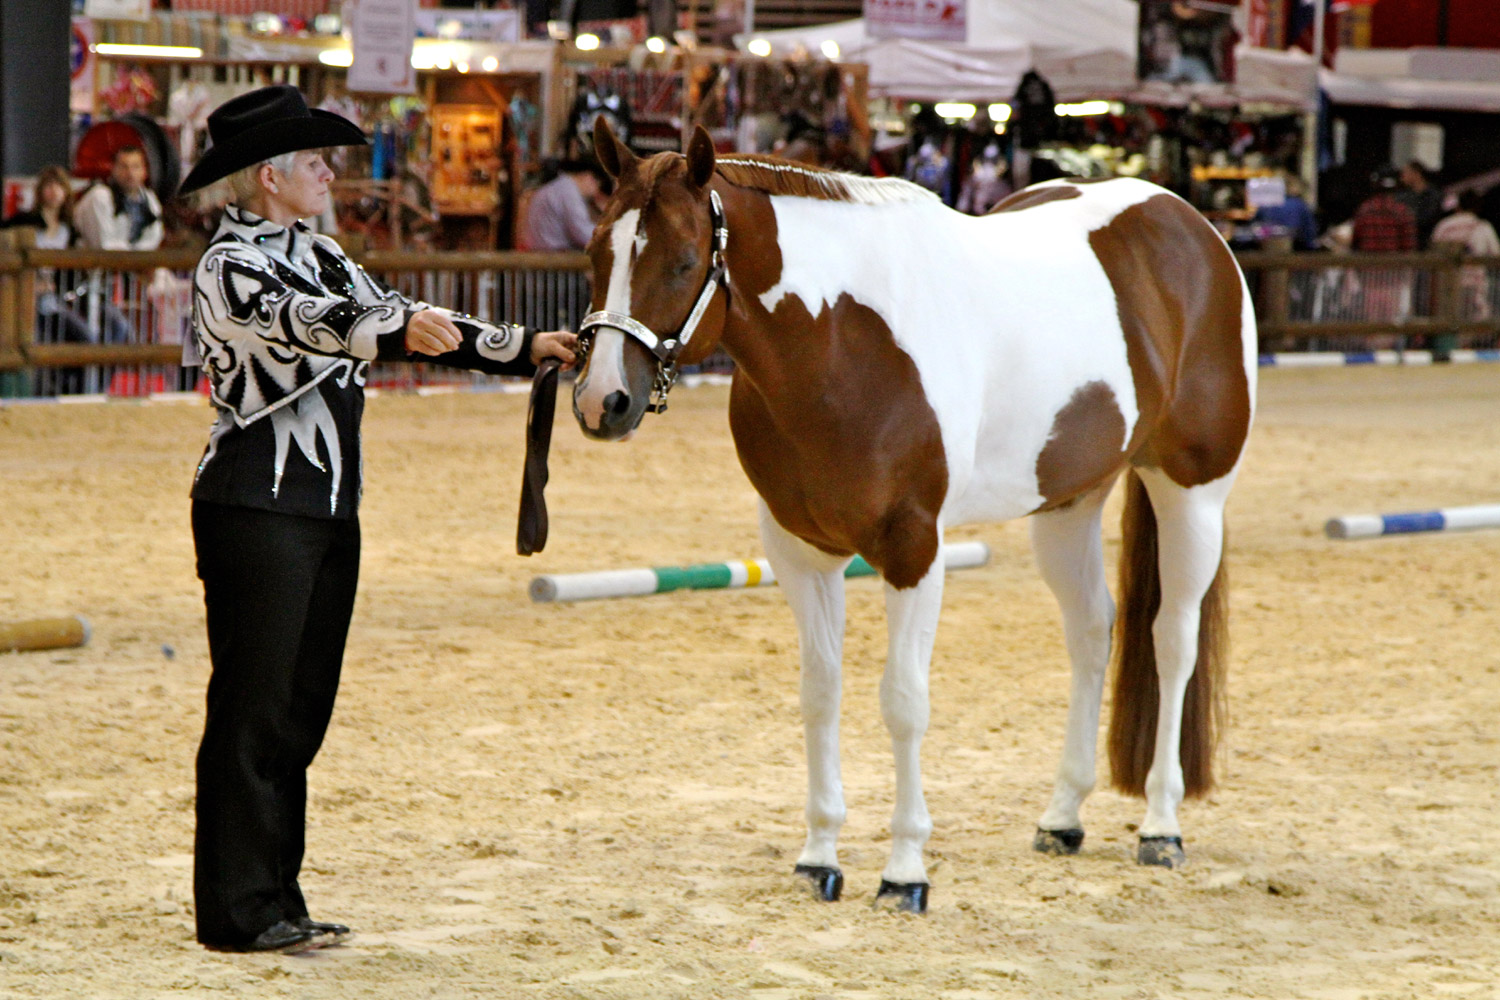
pixel 118 10
pixel 934 20
pixel 82 66
pixel 383 32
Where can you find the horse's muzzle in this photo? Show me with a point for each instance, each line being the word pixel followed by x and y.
pixel 620 416
pixel 614 389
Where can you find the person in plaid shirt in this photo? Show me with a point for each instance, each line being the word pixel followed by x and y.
pixel 1383 223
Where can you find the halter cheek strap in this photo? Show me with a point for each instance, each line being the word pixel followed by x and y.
pixel 666 351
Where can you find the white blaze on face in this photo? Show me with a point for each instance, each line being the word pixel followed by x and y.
pixel 606 365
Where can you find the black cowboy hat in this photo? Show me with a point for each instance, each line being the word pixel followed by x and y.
pixel 254 127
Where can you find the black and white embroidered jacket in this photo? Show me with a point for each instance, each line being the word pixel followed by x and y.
pixel 287 326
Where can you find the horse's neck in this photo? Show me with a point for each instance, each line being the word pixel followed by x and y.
pixel 814 315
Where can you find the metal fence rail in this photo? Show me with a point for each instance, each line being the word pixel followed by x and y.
pixel 75 321
pixel 1439 300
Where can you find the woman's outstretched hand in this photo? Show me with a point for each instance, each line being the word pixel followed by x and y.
pixel 559 344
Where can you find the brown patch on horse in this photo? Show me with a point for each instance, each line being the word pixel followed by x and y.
pixel 837 435
pixel 1085 448
pixel 1032 197
pixel 1179 298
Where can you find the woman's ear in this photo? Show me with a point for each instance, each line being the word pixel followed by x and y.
pixel 267 177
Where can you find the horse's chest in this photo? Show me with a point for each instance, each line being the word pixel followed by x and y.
pixel 847 465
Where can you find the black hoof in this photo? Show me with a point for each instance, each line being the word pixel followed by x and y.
pixel 827 883
pixel 1164 852
pixel 1058 841
pixel 903 897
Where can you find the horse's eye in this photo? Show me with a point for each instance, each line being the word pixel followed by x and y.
pixel 684 265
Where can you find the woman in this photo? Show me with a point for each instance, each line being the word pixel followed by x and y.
pixel 52 219
pixel 286 325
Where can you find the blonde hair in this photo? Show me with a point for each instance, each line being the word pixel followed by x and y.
pixel 245 183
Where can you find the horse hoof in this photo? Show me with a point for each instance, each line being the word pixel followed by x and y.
pixel 1057 841
pixel 827 883
pixel 903 897
pixel 1164 852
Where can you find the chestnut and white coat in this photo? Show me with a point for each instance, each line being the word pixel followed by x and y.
pixel 902 368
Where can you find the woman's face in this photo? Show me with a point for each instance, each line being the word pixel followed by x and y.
pixel 304 191
pixel 51 194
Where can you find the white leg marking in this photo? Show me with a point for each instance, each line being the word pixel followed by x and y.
pixel 605 371
pixel 813 582
pixel 911 620
pixel 1190 542
pixel 1070 556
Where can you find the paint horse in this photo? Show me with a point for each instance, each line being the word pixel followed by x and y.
pixel 901 368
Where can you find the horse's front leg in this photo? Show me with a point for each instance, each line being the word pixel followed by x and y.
pixel 813 582
pixel 911 619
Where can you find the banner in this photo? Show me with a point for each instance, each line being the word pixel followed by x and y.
pixel 82 67
pixel 118 10
pixel 932 20
pixel 1186 41
pixel 383 33
pixel 470 25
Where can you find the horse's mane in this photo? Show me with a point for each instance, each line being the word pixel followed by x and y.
pixel 775 176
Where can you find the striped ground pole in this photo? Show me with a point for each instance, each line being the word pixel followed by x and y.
pixel 731 575
pixel 1334 359
pixel 1446 519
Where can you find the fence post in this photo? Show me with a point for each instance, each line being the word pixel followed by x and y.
pixel 1448 301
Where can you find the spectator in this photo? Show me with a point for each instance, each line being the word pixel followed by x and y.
pixel 1477 237
pixel 51 217
pixel 986 186
pixel 1424 200
pixel 559 215
pixel 1383 223
pixel 1293 215
pixel 123 214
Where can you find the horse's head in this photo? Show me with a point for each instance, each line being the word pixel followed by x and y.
pixel 659 275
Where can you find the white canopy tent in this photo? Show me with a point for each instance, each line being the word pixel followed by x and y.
pixel 1083 48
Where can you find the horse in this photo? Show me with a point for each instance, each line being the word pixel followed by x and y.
pixel 901 368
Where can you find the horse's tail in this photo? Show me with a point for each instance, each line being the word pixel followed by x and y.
pixel 1132 725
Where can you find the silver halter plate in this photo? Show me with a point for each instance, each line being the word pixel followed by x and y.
pixel 666 350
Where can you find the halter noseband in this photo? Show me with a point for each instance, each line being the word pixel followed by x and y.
pixel 666 351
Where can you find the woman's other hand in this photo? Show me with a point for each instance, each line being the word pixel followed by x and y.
pixel 560 344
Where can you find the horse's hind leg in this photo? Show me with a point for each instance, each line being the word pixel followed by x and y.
pixel 1190 546
pixel 813 582
pixel 911 619
pixel 1070 555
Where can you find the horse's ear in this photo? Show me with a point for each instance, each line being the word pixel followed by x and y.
pixel 614 156
pixel 700 157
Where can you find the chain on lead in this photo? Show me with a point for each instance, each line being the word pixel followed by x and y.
pixel 666 376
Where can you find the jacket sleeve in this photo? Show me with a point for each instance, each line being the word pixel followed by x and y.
pixel 238 294
pixel 491 348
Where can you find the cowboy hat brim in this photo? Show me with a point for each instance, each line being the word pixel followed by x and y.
pixel 261 142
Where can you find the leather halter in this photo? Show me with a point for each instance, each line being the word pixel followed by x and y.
pixel 666 350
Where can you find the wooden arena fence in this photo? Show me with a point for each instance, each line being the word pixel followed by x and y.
pixel 76 321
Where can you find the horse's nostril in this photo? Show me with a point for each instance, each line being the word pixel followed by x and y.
pixel 616 404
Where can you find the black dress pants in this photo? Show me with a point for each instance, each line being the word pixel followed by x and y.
pixel 279 591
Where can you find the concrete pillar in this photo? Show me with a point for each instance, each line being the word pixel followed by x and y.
pixel 34 78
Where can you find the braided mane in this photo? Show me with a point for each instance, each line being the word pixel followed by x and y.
pixel 776 176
